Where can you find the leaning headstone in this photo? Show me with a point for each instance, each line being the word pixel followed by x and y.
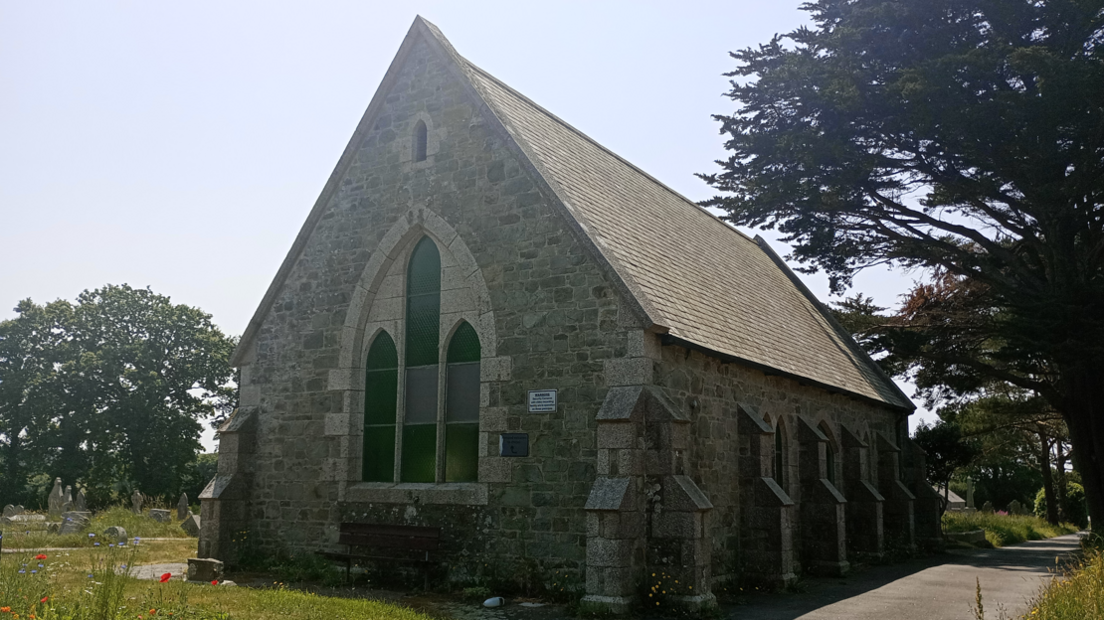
pixel 182 510
pixel 56 499
pixel 27 518
pixel 115 534
pixel 9 511
pixel 20 510
pixel 68 497
pixel 136 503
pixel 204 569
pixel 160 515
pixel 1014 507
pixel 80 502
pixel 987 507
pixel 191 525
pixel 73 522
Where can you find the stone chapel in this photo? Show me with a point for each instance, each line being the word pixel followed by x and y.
pixel 493 325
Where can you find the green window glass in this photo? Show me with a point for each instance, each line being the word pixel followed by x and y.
pixel 462 406
pixel 380 389
pixel 423 318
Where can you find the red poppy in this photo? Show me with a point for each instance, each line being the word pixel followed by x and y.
pixel 44 599
pixel 41 556
pixel 214 582
pixel 166 577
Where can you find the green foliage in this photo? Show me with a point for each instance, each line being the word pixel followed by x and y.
pixel 947 450
pixel 1079 594
pixel 1001 530
pixel 196 474
pixel 1075 509
pixel 960 138
pixel 107 393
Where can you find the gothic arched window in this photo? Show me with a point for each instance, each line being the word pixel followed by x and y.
pixel 435 425
pixel 421 140
pixel 462 406
pixel 381 384
pixel 780 460
pixel 423 319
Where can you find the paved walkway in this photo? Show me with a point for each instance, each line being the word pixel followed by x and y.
pixel 937 588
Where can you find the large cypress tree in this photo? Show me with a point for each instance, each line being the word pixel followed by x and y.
pixel 960 137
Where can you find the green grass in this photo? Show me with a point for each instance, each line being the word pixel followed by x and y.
pixel 1001 530
pixel 93 584
pixel 1079 594
pixel 136 525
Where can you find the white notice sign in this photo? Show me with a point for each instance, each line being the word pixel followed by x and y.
pixel 542 401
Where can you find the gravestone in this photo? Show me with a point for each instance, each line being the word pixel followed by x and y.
pixel 1014 507
pixel 204 569
pixel 80 503
pixel 191 525
pixel 115 534
pixel 9 511
pixel 56 499
pixel 182 510
pixel 160 515
pixel 68 497
pixel 73 522
pixel 19 509
pixel 136 503
pixel 987 507
pixel 969 493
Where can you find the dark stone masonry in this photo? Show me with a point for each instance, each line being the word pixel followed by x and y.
pixel 709 419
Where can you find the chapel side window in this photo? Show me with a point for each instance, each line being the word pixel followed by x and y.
pixel 779 456
pixel 421 141
pixel 462 406
pixel 423 317
pixel 380 389
pixel 829 453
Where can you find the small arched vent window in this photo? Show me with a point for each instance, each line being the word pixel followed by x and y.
pixel 421 141
pixel 462 406
pixel 380 390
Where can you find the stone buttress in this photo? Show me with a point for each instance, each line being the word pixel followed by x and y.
pixel 823 508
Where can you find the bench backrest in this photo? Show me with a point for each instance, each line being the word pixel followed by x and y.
pixel 390 536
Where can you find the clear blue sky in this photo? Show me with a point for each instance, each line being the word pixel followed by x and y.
pixel 181 145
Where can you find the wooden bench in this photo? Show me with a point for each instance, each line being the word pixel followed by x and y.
pixel 405 543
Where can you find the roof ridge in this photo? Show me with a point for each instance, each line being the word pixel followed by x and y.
pixel 583 135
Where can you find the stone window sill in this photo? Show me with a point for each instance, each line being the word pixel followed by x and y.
pixel 455 493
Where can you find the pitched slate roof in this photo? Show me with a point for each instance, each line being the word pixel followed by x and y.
pixel 701 281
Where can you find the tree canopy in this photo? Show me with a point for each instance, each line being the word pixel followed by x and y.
pixel 961 138
pixel 108 392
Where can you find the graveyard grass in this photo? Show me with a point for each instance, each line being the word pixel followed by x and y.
pixel 1001 530
pixel 135 525
pixel 1077 595
pixel 91 584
